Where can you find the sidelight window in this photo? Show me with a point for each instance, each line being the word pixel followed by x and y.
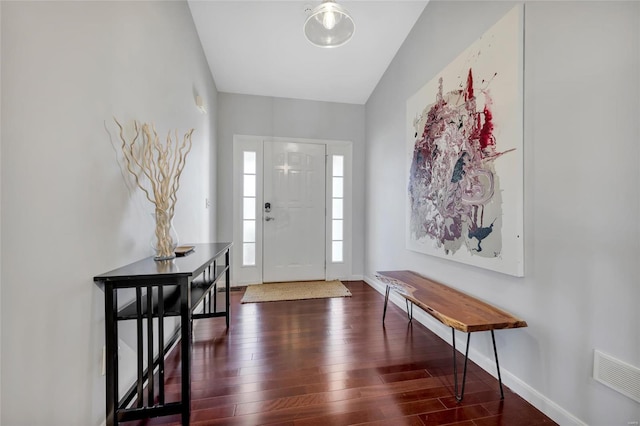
pixel 337 209
pixel 249 209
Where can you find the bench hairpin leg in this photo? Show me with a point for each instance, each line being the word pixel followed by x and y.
pixel 386 301
pixel 495 352
pixel 409 315
pixel 455 366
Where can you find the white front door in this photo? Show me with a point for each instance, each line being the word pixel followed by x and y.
pixel 294 212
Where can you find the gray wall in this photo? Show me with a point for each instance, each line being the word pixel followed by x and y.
pixel 67 212
pixel 267 116
pixel 582 237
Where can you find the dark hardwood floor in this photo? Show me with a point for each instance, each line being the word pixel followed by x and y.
pixel 331 362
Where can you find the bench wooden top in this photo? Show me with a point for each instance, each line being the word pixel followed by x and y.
pixel 449 306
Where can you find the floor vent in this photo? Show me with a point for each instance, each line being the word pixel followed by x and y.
pixel 616 374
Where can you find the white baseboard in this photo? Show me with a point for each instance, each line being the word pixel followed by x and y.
pixel 518 386
pixel 355 278
pixel 243 284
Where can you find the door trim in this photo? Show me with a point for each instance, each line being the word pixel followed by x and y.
pixel 252 274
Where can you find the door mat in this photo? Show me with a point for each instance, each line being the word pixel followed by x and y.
pixel 298 290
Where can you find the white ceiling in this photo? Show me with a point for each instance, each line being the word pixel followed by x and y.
pixel 258 47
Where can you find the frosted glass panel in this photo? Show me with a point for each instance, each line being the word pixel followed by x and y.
pixel 249 254
pixel 336 230
pixel 338 187
pixel 338 165
pixel 336 251
pixel 249 208
pixel 337 208
pixel 249 231
pixel 250 163
pixel 249 186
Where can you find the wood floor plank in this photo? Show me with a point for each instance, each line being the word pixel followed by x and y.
pixel 454 415
pixel 396 421
pixel 332 362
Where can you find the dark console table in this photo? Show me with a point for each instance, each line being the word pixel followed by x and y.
pixel 185 287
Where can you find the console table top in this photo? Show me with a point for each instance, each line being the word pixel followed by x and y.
pixel 190 265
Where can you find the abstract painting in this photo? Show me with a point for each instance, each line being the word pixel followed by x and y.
pixel 465 155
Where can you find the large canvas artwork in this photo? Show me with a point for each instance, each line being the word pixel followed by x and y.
pixel 465 155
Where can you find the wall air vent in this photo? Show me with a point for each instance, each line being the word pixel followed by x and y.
pixel 616 374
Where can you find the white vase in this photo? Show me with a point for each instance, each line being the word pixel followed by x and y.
pixel 165 238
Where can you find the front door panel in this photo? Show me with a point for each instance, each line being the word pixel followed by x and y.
pixel 294 212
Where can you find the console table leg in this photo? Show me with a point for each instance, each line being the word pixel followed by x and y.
pixel 185 349
pixel 111 351
pixel 495 352
pixel 455 366
pixel 150 388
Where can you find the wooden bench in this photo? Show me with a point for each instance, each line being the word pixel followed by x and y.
pixel 452 308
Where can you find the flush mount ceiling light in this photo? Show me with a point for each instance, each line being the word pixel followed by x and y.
pixel 329 25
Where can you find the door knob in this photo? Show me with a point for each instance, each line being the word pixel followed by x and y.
pixel 269 218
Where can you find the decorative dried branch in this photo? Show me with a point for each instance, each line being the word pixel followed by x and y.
pixel 156 168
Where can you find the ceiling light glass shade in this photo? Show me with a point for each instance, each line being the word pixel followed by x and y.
pixel 329 25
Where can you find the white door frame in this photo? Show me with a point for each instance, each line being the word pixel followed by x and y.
pixel 246 274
